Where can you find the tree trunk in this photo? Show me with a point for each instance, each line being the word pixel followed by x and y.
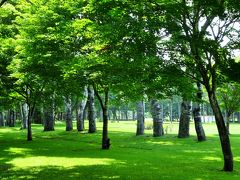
pixel 104 105
pixel 29 121
pixel 91 114
pixel 222 130
pixel 1 119
pixel 183 131
pixel 157 118
pixel 228 121
pixel 238 117
pixel 126 113
pixel 105 139
pixel 11 118
pixel 133 115
pixel 197 116
pixel 140 118
pixel 114 112
pixel 49 118
pixel 38 115
pixel 80 110
pixel 24 111
pixel 68 107
pixel 198 123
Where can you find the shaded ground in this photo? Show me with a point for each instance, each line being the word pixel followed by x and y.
pixel 73 155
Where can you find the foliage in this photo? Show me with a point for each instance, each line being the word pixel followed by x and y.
pixel 229 95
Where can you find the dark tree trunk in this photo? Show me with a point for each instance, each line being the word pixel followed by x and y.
pixel 222 130
pixel 49 118
pixel 198 124
pixel 11 118
pixel 1 119
pixel 91 113
pixel 38 116
pixel 104 105
pixel 157 118
pixel 68 107
pixel 197 117
pixel 114 112
pixel 140 118
pixel 238 117
pixel 183 131
pixel 105 139
pixel 228 122
pixel 29 122
pixel 126 113
pixel 133 115
pixel 81 110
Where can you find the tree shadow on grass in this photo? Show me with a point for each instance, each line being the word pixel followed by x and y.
pixel 78 156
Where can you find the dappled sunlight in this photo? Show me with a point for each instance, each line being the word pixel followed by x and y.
pixel 199 151
pixel 167 143
pixel 17 151
pixel 211 158
pixel 237 158
pixel 65 162
pixel 110 177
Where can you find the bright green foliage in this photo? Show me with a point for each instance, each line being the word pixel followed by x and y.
pixel 229 96
pixel 8 31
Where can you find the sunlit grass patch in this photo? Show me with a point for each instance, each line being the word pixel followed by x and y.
pixel 65 162
pixel 73 155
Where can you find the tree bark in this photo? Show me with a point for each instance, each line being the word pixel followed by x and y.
pixel 68 107
pixel 140 118
pixel 80 110
pixel 157 118
pixel 198 123
pixel 91 113
pixel 228 121
pixel 1 120
pixel 197 115
pixel 49 118
pixel 183 131
pixel 29 121
pixel 25 110
pixel 11 118
pixel 38 115
pixel 222 130
pixel 104 105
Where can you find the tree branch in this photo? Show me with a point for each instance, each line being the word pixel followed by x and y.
pixel 2 2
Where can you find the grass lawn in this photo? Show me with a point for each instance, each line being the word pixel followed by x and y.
pixel 73 155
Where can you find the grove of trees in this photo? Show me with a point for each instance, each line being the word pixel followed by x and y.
pixel 59 57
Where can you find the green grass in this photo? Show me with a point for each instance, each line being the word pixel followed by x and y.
pixel 73 155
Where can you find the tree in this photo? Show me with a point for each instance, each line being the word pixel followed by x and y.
pixel 140 118
pixel 197 118
pixel 229 96
pixel 183 131
pixel 2 2
pixel 68 107
pixel 197 29
pixel 157 118
pixel 80 109
pixel 91 112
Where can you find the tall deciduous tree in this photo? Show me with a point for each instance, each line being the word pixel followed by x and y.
pixel 197 29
